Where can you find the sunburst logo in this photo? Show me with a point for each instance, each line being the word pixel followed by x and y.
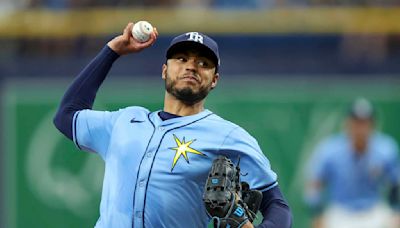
pixel 182 148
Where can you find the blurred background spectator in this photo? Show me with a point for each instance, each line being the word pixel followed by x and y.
pixel 353 174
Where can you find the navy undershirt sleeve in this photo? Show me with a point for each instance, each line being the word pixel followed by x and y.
pixel 82 92
pixel 275 210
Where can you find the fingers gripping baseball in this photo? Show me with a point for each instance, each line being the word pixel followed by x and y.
pixel 126 43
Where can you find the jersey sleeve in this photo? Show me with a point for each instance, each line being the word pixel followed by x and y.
pixel 92 130
pixel 254 166
pixel 392 167
pixel 316 174
pixel 317 167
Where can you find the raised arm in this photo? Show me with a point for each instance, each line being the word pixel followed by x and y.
pixel 82 92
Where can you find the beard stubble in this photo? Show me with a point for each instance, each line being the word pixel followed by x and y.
pixel 186 94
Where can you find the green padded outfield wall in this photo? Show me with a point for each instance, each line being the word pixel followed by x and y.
pixel 49 183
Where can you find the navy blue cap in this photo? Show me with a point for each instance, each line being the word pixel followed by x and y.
pixel 361 108
pixel 195 39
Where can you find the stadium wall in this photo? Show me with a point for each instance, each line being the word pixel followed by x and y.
pixel 49 183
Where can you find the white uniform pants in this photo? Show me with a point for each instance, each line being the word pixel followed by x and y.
pixel 379 216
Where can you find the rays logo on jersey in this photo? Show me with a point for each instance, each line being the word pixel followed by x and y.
pixel 182 148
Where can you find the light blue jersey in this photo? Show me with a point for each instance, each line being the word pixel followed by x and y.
pixel 355 181
pixel 155 170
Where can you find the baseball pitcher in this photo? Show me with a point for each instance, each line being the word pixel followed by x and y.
pixel 158 163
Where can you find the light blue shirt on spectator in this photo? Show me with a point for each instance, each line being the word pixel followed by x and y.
pixel 354 181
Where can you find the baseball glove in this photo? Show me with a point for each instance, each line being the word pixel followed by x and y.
pixel 228 201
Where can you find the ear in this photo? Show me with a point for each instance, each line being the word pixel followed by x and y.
pixel 164 71
pixel 215 81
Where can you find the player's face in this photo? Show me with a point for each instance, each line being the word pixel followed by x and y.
pixel 189 76
pixel 359 131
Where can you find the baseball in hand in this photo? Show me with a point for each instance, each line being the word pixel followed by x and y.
pixel 141 31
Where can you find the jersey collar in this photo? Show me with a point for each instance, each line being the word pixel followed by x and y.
pixel 178 121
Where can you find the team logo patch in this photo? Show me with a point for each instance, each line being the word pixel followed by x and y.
pixel 181 149
pixel 195 36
